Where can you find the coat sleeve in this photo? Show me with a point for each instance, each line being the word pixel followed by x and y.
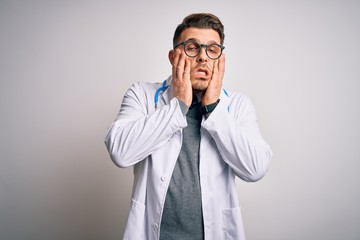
pixel 233 126
pixel 138 131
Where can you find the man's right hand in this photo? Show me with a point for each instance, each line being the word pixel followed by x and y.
pixel 181 84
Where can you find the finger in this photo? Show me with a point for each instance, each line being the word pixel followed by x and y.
pixel 180 67
pixel 215 70
pixel 219 68
pixel 187 69
pixel 175 62
pixel 222 66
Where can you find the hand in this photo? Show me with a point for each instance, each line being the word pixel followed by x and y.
pixel 213 91
pixel 181 84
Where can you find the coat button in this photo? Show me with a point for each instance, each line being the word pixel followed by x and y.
pixel 164 178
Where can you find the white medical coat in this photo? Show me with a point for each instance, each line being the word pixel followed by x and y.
pixel 150 140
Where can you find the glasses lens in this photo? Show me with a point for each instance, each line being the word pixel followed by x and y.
pixel 213 51
pixel 192 49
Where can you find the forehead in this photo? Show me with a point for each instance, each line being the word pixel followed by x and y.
pixel 203 35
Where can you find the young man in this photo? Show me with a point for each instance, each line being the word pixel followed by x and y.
pixel 187 139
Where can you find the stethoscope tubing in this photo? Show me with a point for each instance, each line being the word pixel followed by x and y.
pixel 164 87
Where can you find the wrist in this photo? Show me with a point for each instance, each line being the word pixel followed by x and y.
pixel 206 109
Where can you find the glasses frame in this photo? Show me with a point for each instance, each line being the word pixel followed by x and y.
pixel 201 46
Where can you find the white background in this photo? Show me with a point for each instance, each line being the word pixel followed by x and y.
pixel 65 65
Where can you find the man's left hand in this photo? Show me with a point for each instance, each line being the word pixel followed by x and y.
pixel 212 93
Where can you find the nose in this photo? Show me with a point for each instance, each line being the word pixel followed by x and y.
pixel 202 57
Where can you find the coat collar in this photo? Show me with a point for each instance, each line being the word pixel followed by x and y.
pixel 167 95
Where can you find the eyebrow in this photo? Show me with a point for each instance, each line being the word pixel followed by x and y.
pixel 197 40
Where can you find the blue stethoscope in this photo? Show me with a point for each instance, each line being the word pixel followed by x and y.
pixel 164 87
pixel 158 91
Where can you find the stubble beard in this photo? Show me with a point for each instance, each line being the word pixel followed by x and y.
pixel 199 84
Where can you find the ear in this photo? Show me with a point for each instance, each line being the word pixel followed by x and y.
pixel 171 56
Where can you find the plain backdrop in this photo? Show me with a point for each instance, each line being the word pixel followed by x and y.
pixel 65 65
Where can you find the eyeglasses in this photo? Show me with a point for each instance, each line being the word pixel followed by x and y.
pixel 192 49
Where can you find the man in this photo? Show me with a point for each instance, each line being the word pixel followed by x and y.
pixel 187 139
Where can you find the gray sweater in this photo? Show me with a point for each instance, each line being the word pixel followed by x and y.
pixel 182 216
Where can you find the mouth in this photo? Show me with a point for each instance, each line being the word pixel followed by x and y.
pixel 202 73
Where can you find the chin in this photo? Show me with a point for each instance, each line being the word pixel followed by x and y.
pixel 200 84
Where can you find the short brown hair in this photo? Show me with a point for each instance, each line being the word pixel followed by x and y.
pixel 200 20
